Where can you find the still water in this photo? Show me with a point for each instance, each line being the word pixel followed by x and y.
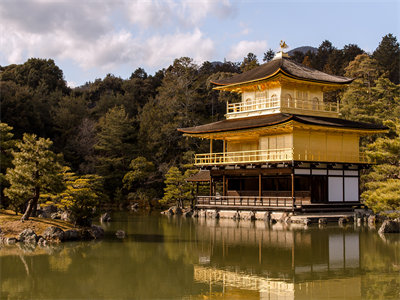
pixel 177 258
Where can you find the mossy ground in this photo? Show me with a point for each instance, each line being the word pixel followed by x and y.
pixel 11 225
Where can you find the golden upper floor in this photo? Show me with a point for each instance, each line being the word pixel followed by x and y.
pixel 282 86
pixel 283 137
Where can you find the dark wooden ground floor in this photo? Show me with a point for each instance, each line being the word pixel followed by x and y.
pixel 312 187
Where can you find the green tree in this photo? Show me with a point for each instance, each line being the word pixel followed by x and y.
pixel 177 190
pixel 140 179
pixel 382 184
pixel 269 55
pixel 115 147
pixel 371 97
pixel 36 170
pixel 36 73
pixel 82 197
pixel 178 104
pixel 7 145
pixel 388 57
pixel 249 62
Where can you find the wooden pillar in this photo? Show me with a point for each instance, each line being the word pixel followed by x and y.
pixel 223 185
pixel 259 186
pixel 211 145
pixel 293 197
pixel 223 149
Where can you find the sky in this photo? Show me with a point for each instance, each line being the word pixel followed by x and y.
pixel 88 39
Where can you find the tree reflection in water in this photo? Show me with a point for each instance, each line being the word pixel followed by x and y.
pixel 189 258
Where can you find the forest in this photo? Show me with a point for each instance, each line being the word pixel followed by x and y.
pixel 114 141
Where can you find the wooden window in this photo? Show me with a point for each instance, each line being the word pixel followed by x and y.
pixel 315 103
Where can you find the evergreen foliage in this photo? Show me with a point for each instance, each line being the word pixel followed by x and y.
pixel 36 170
pixel 249 62
pixel 140 181
pixel 115 147
pixel 104 125
pixel 388 56
pixel 82 197
pixel 7 145
pixel 177 189
pixel 269 55
pixel 382 183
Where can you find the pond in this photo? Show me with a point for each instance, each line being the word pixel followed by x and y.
pixel 177 258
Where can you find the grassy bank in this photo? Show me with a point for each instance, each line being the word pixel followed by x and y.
pixel 11 225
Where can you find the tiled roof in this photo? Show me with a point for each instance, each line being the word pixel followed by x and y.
pixel 286 65
pixel 274 119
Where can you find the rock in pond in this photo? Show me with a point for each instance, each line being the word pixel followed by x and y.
pixel 195 214
pixel 11 241
pixel 390 226
pixel 133 206
pixel 120 234
pixel 71 235
pixel 188 213
pixel 96 231
pixel 53 234
pixel 28 236
pixel 105 217
pixel 42 242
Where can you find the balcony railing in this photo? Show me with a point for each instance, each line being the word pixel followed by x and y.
pixel 259 104
pixel 248 202
pixel 244 157
pixel 277 155
pixel 274 103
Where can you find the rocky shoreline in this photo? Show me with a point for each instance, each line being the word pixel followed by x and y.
pixel 359 217
pixel 53 235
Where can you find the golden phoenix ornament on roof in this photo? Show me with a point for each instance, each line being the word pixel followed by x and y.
pixel 283 45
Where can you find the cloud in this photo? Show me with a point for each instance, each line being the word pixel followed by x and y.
pixel 244 29
pixel 163 49
pixel 159 13
pixel 241 49
pixel 105 34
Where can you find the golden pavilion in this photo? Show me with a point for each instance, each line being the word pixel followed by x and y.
pixel 284 147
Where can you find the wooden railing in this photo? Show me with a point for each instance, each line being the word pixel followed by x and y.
pixel 274 103
pixel 267 103
pixel 249 202
pixel 277 155
pixel 285 154
pixel 308 155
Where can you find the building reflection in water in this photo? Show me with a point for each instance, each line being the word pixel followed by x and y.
pixel 278 262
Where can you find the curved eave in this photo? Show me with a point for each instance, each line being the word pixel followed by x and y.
pixel 280 71
pixel 188 133
pixel 290 121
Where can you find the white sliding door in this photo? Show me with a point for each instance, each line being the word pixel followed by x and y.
pixel 335 189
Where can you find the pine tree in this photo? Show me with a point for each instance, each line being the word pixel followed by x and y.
pixel 82 197
pixel 115 147
pixel 139 180
pixel 249 62
pixel 269 55
pixel 177 189
pixel 7 144
pixel 388 57
pixel 383 182
pixel 37 170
